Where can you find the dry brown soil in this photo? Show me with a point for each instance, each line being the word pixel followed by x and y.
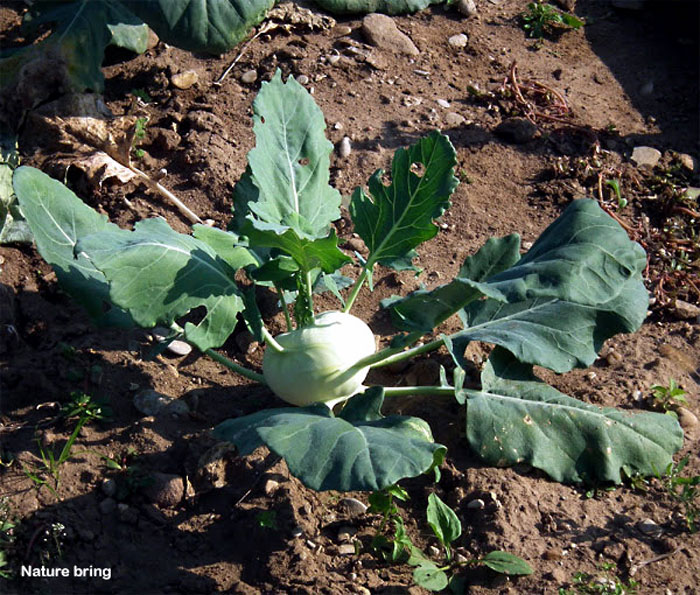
pixel 634 71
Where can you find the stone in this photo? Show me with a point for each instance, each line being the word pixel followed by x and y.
pixel 346 549
pixel 443 103
pixel 453 119
pixel 458 41
pixel 381 31
pixel 650 527
pixel 185 80
pixel 153 39
pixel 645 156
pixel 686 310
pixel 270 487
pixel 344 147
pixel 108 506
pixel 346 533
pixel 302 79
pixel 688 421
pixel 688 161
pixel 516 130
pixel 249 77
pixel 466 7
pixel 179 348
pixel 166 491
pixel 150 402
pixel 357 245
pixel 352 506
pixel 342 30
pixel 476 504
pixel 109 487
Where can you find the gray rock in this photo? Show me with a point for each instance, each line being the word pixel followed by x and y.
pixel 650 527
pixel 458 41
pixel 645 156
pixel 249 77
pixel 302 79
pixel 476 504
pixel 516 130
pixel 686 310
pixel 466 7
pixel 688 161
pixel 108 506
pixel 346 549
pixel 381 31
pixel 109 487
pixel 352 506
pixel 443 103
pixel 453 119
pixel 166 491
pixel 150 402
pixel 179 348
pixel 345 147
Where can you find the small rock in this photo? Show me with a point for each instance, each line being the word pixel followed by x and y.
pixel 357 245
pixel 345 147
pixel 352 506
pixel 381 31
pixel 345 549
pixel 150 402
pixel 302 79
pixel 179 348
pixel 153 39
pixel 686 310
pixel 687 419
pixel 249 77
pixel 184 80
pixel 458 41
pixel 687 161
pixel 433 551
pixel 467 7
pixel 346 533
pixel 270 487
pixel 516 130
pixel 342 30
pixel 109 487
pixel 443 103
pixel 453 119
pixel 645 156
pixel 166 491
pixel 649 527
pixel 476 504
pixel 108 506
pixel 297 531
pixel 613 358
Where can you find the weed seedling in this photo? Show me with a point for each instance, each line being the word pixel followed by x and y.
pixel 668 397
pixel 683 490
pixel 607 583
pixel 542 18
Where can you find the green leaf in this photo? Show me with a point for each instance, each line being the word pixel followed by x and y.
pixel 159 275
pixel 131 36
pixel 226 244
pixel 430 577
pixel 361 452
pixel 13 228
pixel 399 217
pixel 309 254
pixel 517 418
pixel 58 218
pixel 367 6
pixel 443 521
pixel 506 563
pixel 424 310
pixel 213 26
pixel 286 184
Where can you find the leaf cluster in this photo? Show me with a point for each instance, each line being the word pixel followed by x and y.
pixel 542 18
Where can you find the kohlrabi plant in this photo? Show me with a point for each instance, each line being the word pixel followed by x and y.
pixel 553 306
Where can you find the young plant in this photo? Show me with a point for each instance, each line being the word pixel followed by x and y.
pixel 668 397
pixel 608 583
pixel 554 306
pixel 683 490
pixel 542 18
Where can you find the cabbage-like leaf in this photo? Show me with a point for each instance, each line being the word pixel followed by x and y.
pixel 58 218
pixel 367 6
pixel 399 217
pixel 517 418
pixel 159 275
pixel 357 450
pixel 286 183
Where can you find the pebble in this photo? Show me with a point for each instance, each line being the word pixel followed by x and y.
pixel 345 147
pixel 381 31
pixel 516 130
pixel 433 551
pixel 166 491
pixel 352 506
pixel 109 487
pixel 458 41
pixel 302 79
pixel 613 358
pixel 346 549
pixel 270 487
pixel 687 419
pixel 467 7
pixel 150 402
pixel 346 533
pixel 297 531
pixel 453 119
pixel 650 527
pixel 179 348
pixel 249 77
pixel 686 310
pixel 108 506
pixel 185 80
pixel 342 30
pixel 357 245
pixel 443 103
pixel 687 161
pixel 645 156
pixel 476 504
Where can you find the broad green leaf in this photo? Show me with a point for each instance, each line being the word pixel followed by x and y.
pixel 517 418
pixel 399 217
pixel 131 36
pixel 226 244
pixel 322 253
pixel 506 563
pixel 443 521
pixel 286 184
pixel 213 26
pixel 424 310
pixel 159 275
pixel 367 6
pixel 362 452
pixel 58 218
pixel 430 577
pixel 13 228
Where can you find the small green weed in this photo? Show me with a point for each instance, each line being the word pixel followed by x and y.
pixel 668 397
pixel 542 18
pixel 82 405
pixel 142 94
pixel 267 519
pixel 606 583
pixel 683 490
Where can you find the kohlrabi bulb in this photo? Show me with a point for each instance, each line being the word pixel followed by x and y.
pixel 317 362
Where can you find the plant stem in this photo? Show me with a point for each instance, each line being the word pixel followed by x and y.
pixel 404 391
pixel 271 342
pixel 243 371
pixel 391 355
pixel 285 310
pixel 310 291
pixel 355 290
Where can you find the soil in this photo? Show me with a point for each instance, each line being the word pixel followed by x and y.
pixel 158 503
